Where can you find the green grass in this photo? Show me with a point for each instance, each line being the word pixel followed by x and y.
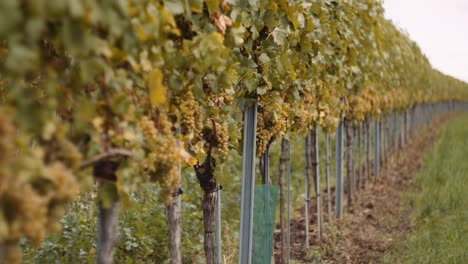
pixel 441 214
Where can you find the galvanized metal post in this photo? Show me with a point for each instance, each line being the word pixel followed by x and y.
pixel 368 134
pixel 376 148
pixel 288 215
pixel 339 169
pixel 327 174
pixel 359 159
pixel 218 227
pixel 382 139
pixel 403 127
pixel 395 131
pixel 317 186
pixel 307 184
pixel 248 181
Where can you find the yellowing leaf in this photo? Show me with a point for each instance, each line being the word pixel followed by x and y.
pixel 186 157
pixel 166 17
pixel 212 5
pixel 196 5
pixel 157 91
pixel 128 135
pixel 97 123
pixel 141 34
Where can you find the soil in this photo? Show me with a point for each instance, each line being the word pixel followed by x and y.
pixel 379 214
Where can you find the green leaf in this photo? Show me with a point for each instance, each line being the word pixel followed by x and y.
pixel 279 36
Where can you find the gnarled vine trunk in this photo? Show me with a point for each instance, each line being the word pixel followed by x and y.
pixel 207 181
pixel 108 211
pixel 108 220
pixel 10 252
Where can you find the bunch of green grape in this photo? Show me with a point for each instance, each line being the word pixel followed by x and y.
pixel 33 192
pixel 163 158
pixel 271 121
pixel 189 115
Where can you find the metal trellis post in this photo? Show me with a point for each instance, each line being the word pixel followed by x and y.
pixel 248 181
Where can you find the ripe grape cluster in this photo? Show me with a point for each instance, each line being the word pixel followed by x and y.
pixel 33 191
pixel 221 141
pixel 190 116
pixel 271 121
pixel 302 119
pixel 162 160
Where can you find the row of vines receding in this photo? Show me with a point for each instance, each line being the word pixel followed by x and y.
pixel 117 92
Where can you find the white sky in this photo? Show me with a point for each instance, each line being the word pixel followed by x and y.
pixel 440 27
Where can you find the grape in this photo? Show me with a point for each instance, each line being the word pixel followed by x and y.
pixel 33 205
pixel 271 122
pixel 190 115
pixel 164 155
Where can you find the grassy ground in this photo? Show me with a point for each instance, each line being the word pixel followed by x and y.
pixel 441 202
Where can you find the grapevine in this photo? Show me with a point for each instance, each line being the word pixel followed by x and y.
pixel 79 79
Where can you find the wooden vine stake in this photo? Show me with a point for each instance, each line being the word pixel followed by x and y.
pixel 174 220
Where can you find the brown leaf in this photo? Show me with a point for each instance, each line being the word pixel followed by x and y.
pixel 224 6
pixel 221 22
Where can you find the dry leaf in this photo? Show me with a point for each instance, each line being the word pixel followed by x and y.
pixel 221 22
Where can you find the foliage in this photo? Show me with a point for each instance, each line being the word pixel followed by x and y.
pixel 85 79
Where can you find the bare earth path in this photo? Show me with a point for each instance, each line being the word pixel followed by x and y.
pixel 379 216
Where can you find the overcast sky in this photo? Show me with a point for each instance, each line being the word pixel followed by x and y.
pixel 440 27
